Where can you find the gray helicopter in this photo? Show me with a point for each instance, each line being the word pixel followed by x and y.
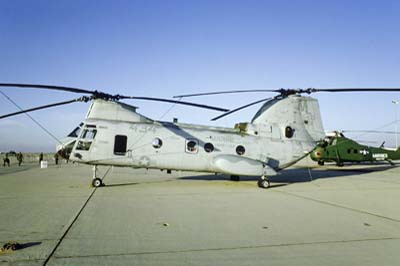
pixel 284 130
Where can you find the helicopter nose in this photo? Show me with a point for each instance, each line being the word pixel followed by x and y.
pixel 318 153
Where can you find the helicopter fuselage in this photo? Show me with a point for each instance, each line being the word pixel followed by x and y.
pixel 340 149
pixel 174 146
pixel 115 134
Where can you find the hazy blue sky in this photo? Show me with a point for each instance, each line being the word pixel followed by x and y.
pixel 164 48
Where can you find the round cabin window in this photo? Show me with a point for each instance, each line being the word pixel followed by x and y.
pixel 157 143
pixel 289 132
pixel 191 146
pixel 209 147
pixel 240 150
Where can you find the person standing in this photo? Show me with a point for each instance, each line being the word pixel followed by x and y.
pixel 40 158
pixel 20 157
pixel 6 160
pixel 56 158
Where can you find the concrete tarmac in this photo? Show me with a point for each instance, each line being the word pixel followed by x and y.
pixel 322 216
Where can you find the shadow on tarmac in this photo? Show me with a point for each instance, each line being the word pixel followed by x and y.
pixel 298 175
pixel 29 244
pixel 136 183
pixel 123 184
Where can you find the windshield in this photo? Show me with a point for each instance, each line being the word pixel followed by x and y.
pixel 76 131
pixel 87 136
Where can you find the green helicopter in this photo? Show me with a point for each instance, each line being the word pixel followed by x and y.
pixel 339 149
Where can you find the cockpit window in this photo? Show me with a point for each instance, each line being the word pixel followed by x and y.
pixel 334 142
pixel 329 140
pixel 76 131
pixel 89 133
pixel 87 137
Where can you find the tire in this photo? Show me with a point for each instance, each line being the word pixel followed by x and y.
pixel 263 183
pixel 97 182
pixel 321 163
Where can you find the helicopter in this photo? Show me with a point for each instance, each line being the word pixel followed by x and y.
pixel 284 130
pixel 340 149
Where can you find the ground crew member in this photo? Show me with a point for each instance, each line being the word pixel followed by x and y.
pixel 40 158
pixel 20 157
pixel 56 158
pixel 6 161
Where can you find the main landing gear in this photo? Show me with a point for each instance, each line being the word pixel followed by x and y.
pixel 263 182
pixel 96 182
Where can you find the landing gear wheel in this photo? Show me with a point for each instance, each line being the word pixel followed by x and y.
pixel 321 163
pixel 235 178
pixel 97 182
pixel 263 183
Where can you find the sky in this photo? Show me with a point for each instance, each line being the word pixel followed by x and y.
pixel 164 48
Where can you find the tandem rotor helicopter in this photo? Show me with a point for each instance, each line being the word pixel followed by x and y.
pixel 285 129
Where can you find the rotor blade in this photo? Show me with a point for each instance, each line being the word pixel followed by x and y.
pixel 239 108
pixel 48 87
pixel 173 101
pixel 81 99
pixel 370 131
pixel 352 90
pixel 223 92
pixel 292 91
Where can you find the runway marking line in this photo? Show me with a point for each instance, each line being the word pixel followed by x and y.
pixel 73 222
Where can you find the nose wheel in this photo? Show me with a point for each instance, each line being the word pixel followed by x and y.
pixel 96 182
pixel 263 182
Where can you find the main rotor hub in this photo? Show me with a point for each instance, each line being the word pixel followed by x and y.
pixel 287 92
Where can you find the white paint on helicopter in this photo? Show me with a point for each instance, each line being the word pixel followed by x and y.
pixel 282 132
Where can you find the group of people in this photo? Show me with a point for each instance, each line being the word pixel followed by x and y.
pixel 20 158
pixel 6 160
